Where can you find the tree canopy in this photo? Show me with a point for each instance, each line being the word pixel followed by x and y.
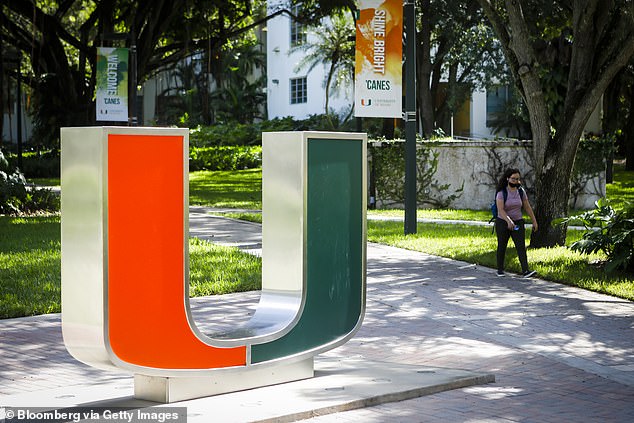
pixel 58 41
pixel 455 44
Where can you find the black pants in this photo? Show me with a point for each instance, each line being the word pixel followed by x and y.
pixel 503 234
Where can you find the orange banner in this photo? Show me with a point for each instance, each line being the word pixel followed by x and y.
pixel 378 59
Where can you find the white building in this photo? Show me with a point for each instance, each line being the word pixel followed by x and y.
pixel 292 91
pixel 11 117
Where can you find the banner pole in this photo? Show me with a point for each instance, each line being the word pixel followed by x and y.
pixel 410 116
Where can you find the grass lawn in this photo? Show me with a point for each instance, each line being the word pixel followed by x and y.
pixel 45 182
pixel 232 189
pixel 444 214
pixel 622 189
pixel 30 267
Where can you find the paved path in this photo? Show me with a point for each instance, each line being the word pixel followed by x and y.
pixel 559 354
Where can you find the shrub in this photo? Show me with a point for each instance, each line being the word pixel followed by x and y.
pixel 41 165
pixel 278 124
pixel 42 199
pixel 225 157
pixel 15 198
pixel 225 134
pixel 36 164
pixel 610 231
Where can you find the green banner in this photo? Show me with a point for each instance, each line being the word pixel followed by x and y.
pixel 112 84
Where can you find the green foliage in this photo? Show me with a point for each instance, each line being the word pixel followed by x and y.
pixel 240 97
pixel 182 104
pixel 12 189
pixel 388 162
pixel 51 109
pixel 61 78
pixel 609 231
pixel 512 120
pixel 16 199
pixel 278 124
pixel 460 49
pixel 45 182
pixel 590 161
pixel 554 78
pixel 36 164
pixel 225 157
pixel 225 134
pixel 326 122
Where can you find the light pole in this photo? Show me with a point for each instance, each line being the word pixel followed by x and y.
pixel 133 80
pixel 409 11
pixel 19 111
pixel 13 61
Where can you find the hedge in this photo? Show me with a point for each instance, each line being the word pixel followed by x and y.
pixel 38 165
pixel 225 157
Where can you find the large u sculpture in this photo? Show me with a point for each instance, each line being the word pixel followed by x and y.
pixel 125 265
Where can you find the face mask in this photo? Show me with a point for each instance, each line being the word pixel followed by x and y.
pixel 512 185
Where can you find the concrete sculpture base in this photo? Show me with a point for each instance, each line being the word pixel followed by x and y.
pixel 173 389
pixel 340 384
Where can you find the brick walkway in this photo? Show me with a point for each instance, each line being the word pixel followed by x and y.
pixel 559 354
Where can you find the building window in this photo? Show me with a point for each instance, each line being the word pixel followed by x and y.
pixel 298 29
pixel 299 90
pixel 497 101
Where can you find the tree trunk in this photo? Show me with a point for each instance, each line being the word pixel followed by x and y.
pixel 2 103
pixel 327 105
pixel 426 104
pixel 554 176
pixel 610 123
pixel 388 128
pixel 629 135
pixel 552 195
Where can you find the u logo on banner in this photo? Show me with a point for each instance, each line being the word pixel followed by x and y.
pixel 125 261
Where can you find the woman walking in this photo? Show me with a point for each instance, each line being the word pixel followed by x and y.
pixel 510 198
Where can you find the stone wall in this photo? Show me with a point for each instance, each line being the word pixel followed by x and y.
pixel 476 165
